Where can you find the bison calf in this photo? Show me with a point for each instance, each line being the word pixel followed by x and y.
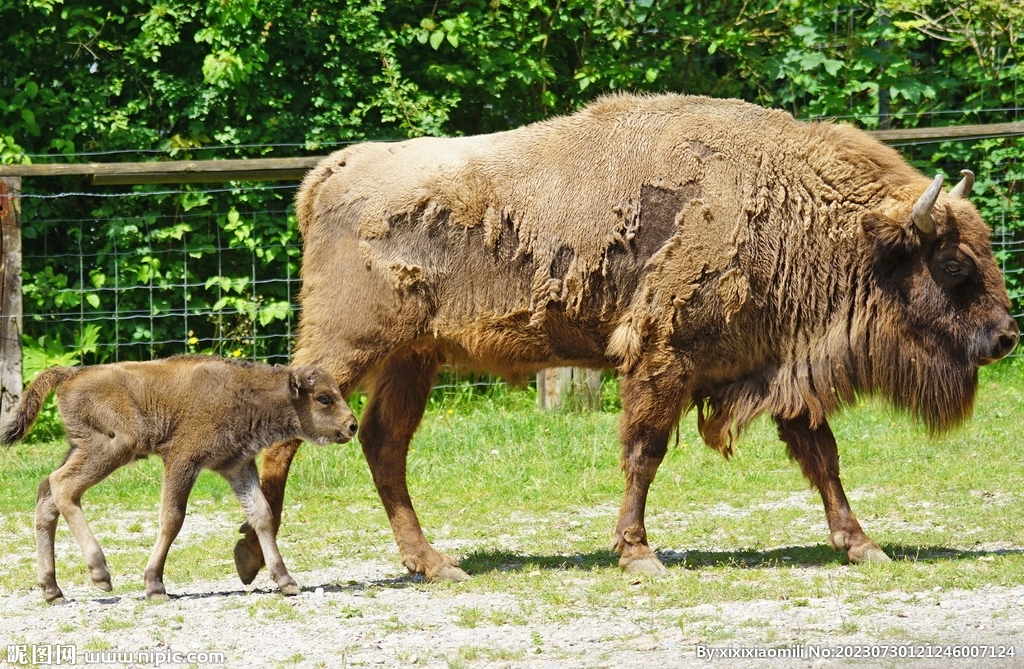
pixel 195 412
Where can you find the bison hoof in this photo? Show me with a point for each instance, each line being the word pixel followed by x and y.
pixel 290 589
pixel 650 565
pixel 448 573
pixel 156 597
pixel 59 599
pixel 246 563
pixel 105 586
pixel 867 553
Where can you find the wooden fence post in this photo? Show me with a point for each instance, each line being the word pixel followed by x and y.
pixel 10 294
pixel 570 388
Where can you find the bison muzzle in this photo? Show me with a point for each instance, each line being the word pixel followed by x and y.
pixel 718 255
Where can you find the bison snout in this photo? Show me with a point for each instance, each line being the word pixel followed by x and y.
pixel 1004 343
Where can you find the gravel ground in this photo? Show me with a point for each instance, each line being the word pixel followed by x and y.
pixel 372 614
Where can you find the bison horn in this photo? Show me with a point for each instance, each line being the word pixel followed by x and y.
pixel 923 209
pixel 963 189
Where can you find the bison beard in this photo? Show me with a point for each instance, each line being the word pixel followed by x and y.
pixel 716 254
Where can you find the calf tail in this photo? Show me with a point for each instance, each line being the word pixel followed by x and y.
pixel 27 410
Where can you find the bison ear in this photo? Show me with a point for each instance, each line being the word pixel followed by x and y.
pixel 888 238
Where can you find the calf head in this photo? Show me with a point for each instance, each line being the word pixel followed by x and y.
pixel 324 416
pixel 942 309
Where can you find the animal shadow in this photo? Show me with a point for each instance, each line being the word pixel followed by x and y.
pixel 822 555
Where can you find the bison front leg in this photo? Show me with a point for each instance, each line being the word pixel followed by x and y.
pixel 651 408
pixel 277 460
pixel 816 451
pixel 398 397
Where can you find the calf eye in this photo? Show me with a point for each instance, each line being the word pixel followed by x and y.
pixel 324 399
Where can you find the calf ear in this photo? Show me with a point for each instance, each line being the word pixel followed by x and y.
pixel 302 379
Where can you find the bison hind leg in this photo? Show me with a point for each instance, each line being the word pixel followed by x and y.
pixel 651 405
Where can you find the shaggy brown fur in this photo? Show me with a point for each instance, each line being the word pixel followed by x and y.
pixel 195 412
pixel 718 255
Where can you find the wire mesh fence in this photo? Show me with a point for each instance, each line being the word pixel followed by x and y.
pixel 150 274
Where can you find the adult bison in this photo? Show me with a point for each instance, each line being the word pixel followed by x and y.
pixel 716 254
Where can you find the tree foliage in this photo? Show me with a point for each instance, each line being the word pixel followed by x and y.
pixel 159 79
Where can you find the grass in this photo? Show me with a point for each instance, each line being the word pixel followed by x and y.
pixel 528 502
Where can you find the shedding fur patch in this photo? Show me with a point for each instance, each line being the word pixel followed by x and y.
pixel 733 288
pixel 405 277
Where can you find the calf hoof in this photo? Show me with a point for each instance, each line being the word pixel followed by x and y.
pixel 55 597
pixel 448 573
pixel 105 586
pixel 649 565
pixel 286 584
pixel 156 593
pixel 247 564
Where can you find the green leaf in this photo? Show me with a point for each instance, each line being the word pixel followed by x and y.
pixel 833 66
pixel 436 38
pixel 274 311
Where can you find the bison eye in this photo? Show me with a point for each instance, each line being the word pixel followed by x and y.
pixel 952 266
pixel 324 399
pixel 953 269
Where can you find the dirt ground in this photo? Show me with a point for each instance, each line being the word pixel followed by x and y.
pixel 371 614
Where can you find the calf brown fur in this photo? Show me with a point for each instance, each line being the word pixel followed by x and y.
pixel 195 412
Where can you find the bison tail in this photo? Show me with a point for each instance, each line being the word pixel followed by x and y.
pixel 31 402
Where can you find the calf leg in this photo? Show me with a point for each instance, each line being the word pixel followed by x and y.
pixel 245 481
pixel 347 368
pixel 816 451
pixel 277 460
pixel 179 477
pixel 392 415
pixel 46 527
pixel 81 470
pixel 651 408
